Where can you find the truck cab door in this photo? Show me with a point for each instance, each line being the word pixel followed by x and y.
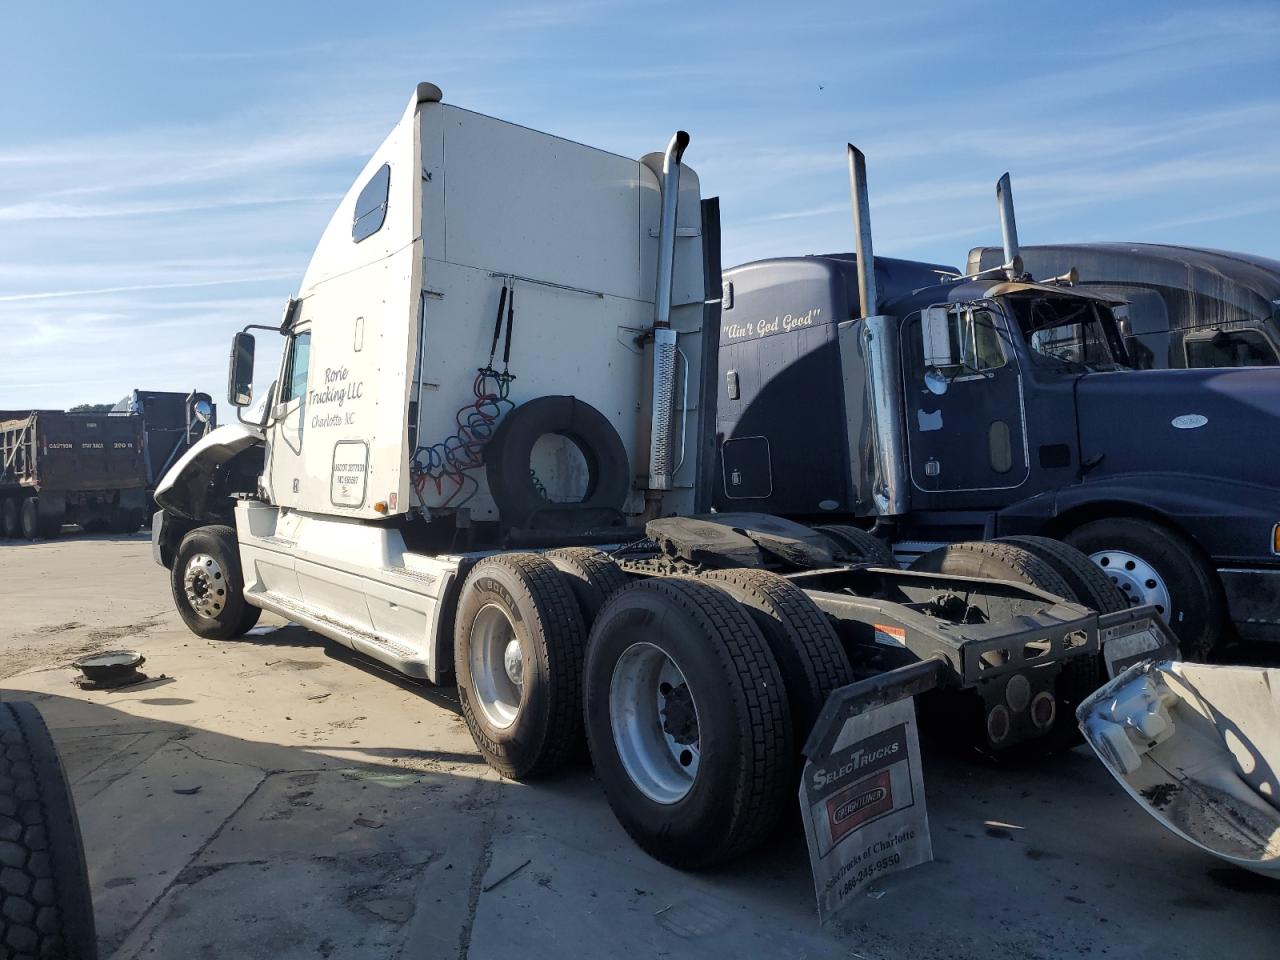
pixel 966 425
pixel 288 428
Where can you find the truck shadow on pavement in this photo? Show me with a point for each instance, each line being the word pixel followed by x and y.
pixel 203 843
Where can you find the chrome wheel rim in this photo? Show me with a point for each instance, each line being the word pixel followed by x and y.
pixel 497 666
pixel 655 723
pixel 1137 579
pixel 205 585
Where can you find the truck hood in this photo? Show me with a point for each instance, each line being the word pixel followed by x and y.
pixel 1218 423
pixel 183 489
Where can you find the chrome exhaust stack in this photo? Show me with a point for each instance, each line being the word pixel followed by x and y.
pixel 873 346
pixel 661 461
pixel 867 294
pixel 1009 229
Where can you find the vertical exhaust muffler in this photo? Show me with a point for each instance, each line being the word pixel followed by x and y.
pixel 867 294
pixel 661 466
pixel 880 474
pixel 1009 229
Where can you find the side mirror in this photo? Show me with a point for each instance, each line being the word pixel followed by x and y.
pixel 240 375
pixel 935 326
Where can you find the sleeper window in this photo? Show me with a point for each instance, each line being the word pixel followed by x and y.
pixel 371 205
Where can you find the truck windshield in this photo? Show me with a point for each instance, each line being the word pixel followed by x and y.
pixel 1069 334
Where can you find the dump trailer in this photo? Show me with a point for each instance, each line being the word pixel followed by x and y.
pixel 486 460
pixel 996 406
pixel 56 468
pixel 1184 306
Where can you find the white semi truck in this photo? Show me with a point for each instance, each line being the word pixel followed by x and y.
pixel 483 460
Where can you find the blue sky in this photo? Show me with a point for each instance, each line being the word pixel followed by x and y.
pixel 166 168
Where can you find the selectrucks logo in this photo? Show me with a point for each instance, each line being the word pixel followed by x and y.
pixel 857 760
pixel 784 323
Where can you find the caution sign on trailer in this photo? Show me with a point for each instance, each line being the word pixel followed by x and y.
pixel 864 810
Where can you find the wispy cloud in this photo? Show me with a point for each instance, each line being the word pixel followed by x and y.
pixel 130 250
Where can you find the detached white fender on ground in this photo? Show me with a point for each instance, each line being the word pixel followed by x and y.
pixel 1198 747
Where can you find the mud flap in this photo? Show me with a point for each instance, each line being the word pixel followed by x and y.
pixel 1133 636
pixel 862 791
pixel 1198 748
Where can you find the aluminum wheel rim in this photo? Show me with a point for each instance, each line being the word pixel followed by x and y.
pixel 497 666
pixel 205 585
pixel 655 723
pixel 1138 580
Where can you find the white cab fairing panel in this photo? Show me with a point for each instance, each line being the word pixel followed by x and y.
pixel 351 581
pixel 1198 747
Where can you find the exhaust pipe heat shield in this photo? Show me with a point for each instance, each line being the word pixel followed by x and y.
pixel 1198 748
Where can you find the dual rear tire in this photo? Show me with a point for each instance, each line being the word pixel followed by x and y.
pixel 693 694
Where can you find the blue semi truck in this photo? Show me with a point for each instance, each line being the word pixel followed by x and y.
pixel 931 408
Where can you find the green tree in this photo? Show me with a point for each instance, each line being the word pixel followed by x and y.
pixel 91 408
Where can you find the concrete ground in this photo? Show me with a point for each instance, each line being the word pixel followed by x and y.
pixel 278 797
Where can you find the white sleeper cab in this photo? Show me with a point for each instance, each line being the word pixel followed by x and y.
pixel 487 458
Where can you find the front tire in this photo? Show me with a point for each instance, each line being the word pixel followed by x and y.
pixel 1153 564
pixel 208 584
pixel 688 721
pixel 517 651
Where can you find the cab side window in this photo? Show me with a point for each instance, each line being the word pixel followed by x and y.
pixel 977 339
pixel 295 373
pixel 1229 348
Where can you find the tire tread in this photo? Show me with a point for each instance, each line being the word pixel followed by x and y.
pixel 750 669
pixel 45 905
pixel 553 603
pixel 858 543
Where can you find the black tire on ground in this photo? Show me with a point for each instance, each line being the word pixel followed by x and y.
pixel 1197 607
pixel 743 781
pixel 127 520
pixel 30 514
pixel 508 453
pixel 539 612
pixel 592 576
pixel 46 909
pixel 219 579
pixel 1088 582
pixel 999 560
pixel 1093 589
pixel 50 524
pixel 858 544
pixel 802 639
pixel 124 520
pixel 10 525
